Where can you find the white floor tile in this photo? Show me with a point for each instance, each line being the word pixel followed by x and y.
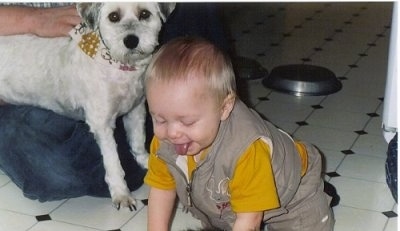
pixel 363 167
pixel 350 103
pixel 142 192
pixel 15 221
pixel 59 226
pixel 94 212
pixel 12 199
pixel 4 180
pixel 353 219
pixel 378 56
pixel 288 127
pixel 332 159
pixel 137 222
pixel 370 88
pixel 392 225
pixel 278 56
pixel 252 48
pixel 374 126
pixel 364 83
pixel 181 221
pixel 363 194
pixel 326 138
pixel 372 145
pixel 337 119
pixel 276 111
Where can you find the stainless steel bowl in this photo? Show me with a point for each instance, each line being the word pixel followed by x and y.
pixel 302 80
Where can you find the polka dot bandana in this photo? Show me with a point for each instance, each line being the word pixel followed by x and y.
pixel 91 44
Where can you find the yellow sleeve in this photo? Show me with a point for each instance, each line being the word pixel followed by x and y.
pixel 158 174
pixel 252 187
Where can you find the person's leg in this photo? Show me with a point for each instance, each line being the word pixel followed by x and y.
pixel 195 19
pixel 51 157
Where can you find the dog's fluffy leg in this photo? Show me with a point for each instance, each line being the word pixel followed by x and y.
pixel 114 177
pixel 134 123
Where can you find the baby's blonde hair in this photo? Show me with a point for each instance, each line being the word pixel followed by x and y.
pixel 186 58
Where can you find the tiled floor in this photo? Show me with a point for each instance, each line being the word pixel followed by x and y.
pixel 351 39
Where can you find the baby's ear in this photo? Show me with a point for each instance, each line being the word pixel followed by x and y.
pixel 227 106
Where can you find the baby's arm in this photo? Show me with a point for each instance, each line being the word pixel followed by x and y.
pixel 44 22
pixel 252 187
pixel 248 221
pixel 160 207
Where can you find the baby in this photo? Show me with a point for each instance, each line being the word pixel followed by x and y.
pixel 230 168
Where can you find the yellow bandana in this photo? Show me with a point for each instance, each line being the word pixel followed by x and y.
pixel 90 43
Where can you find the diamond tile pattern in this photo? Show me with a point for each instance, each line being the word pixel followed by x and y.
pixel 349 38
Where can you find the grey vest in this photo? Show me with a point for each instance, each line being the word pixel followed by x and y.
pixel 207 197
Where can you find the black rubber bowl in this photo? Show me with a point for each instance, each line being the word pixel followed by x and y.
pixel 302 80
pixel 249 69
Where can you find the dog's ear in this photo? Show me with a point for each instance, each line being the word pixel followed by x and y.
pixel 166 9
pixel 89 13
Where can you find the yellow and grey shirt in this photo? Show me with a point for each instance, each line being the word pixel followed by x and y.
pixel 250 189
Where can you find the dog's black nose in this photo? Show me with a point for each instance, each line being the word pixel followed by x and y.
pixel 131 41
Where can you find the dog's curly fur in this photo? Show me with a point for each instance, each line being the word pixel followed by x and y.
pixel 55 74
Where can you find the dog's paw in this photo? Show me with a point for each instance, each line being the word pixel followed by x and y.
pixel 121 197
pixel 142 160
pixel 124 201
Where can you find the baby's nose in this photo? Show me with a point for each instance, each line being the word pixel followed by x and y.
pixel 173 132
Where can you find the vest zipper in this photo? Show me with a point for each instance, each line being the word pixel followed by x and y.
pixel 189 188
pixel 189 195
pixel 188 181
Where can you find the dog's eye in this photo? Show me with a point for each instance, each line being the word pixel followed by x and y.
pixel 144 14
pixel 114 17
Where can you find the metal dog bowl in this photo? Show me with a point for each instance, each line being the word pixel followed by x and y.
pixel 250 69
pixel 302 80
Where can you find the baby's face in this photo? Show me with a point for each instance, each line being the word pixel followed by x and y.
pixel 185 114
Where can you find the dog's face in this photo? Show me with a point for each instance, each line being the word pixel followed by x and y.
pixel 129 30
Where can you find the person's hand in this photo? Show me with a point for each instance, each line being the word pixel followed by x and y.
pixel 44 22
pixel 54 22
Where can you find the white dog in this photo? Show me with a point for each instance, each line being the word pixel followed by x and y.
pixel 96 76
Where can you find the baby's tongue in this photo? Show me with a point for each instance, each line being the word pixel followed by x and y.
pixel 181 149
